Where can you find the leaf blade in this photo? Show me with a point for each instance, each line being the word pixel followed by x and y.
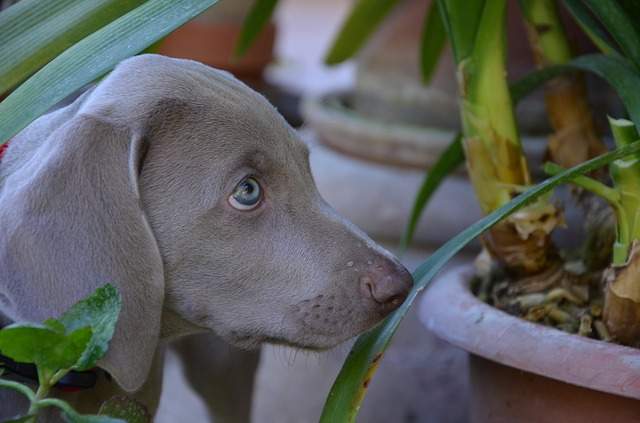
pixel 620 25
pixel 99 311
pixel 92 57
pixel 449 160
pixel 256 20
pixel 590 26
pixel 34 32
pixel 48 349
pixel 432 44
pixel 364 18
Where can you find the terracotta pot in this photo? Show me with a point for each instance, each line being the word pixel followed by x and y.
pixel 211 39
pixel 525 372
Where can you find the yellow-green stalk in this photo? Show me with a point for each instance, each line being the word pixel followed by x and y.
pixel 622 291
pixel 495 160
pixel 622 294
pixel 575 138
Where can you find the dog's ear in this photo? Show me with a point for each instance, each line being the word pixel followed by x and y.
pixel 70 221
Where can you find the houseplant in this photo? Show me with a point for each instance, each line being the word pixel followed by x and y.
pixel 522 245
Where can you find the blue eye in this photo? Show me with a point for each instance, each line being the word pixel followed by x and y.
pixel 246 195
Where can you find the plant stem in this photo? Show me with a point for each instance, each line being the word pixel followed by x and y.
pixel 495 161
pixel 497 166
pixel 575 138
pixel 622 295
pixel 625 174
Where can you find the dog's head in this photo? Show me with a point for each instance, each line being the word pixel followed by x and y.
pixel 186 189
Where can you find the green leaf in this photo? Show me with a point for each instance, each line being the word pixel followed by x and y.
pixel 618 72
pixel 100 312
pixel 33 32
pixel 433 41
pixel 363 20
pixel 92 57
pixel 620 25
pixel 256 20
pixel 591 26
pixel 48 349
pixel 461 19
pixel 449 160
pixel 348 390
pixel 125 408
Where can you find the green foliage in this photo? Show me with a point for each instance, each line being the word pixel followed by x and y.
pixel 453 156
pixel 75 341
pixel 33 32
pixel 449 161
pixel 126 408
pixel 254 23
pixel 591 27
pixel 622 27
pixel 100 313
pixel 618 72
pixel 364 18
pixel 461 20
pixel 348 390
pixel 50 349
pixel 432 44
pixel 92 57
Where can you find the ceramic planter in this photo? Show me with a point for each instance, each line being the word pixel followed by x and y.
pixel 526 372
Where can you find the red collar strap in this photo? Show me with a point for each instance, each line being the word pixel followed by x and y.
pixel 3 149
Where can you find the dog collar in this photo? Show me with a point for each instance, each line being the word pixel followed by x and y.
pixel 3 148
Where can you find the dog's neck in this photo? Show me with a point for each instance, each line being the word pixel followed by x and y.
pixel 174 326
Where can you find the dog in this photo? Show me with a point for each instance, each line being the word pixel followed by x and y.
pixel 189 192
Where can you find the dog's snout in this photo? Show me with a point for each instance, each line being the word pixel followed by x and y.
pixel 387 284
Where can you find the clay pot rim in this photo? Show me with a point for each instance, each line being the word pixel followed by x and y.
pixel 420 145
pixel 345 130
pixel 453 313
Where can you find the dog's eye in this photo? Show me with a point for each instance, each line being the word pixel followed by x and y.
pixel 246 195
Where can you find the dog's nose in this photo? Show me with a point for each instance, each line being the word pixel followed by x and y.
pixel 387 283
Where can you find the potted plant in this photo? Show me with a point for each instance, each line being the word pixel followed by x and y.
pixel 527 273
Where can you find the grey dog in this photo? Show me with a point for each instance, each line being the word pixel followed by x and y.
pixel 189 192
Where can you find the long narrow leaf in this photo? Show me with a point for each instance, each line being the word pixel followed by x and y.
pixel 256 20
pixel 348 390
pixel 33 32
pixel 449 160
pixel 619 73
pixel 591 26
pixel 92 57
pixel 461 19
pixel 364 18
pixel 433 41
pixel 620 25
